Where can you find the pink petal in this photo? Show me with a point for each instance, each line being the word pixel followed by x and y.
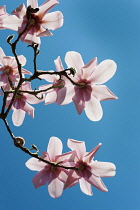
pixel 63 176
pixel 24 71
pixel 18 117
pixel 54 147
pixel 89 68
pixel 58 64
pixel 35 164
pixel 31 36
pixel 44 8
pixel 93 109
pixel 55 188
pixel 97 182
pixel 2 54
pixel 78 146
pixel 85 186
pixel 72 180
pixel 20 11
pixel 2 11
pixel 8 60
pixel 41 178
pixel 33 3
pixel 44 33
pixel 53 20
pixel 65 95
pixel 101 93
pixel 74 59
pixel 12 22
pixel 103 169
pixel 33 99
pixel 51 97
pixel 89 156
pixel 103 72
pixel 29 109
pixel 64 157
pixel 48 77
pixel 79 100
pixel 26 86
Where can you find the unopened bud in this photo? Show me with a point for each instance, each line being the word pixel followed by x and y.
pixel 19 141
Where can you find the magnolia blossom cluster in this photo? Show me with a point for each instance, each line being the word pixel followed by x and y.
pixel 85 87
pixel 87 173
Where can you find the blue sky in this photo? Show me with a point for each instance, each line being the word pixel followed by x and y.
pixel 107 30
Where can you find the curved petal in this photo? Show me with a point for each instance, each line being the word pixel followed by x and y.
pixel 53 20
pixel 85 187
pixel 41 178
pixel 78 100
pixel 20 11
pixel 103 72
pixel 74 59
pixel 48 77
pixel 63 175
pixel 35 164
pixel 46 7
pixel 55 188
pixel 29 109
pixel 12 22
pixel 93 109
pixel 2 54
pixel 96 182
pixel 33 99
pixel 103 169
pixel 18 117
pixel 89 156
pixel 65 95
pixel 44 33
pixel 102 93
pixel 89 68
pixel 72 179
pixel 78 146
pixel 58 64
pixel 54 147
pixel 33 3
pixel 50 97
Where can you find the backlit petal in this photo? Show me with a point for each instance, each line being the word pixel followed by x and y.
pixel 78 146
pixel 53 20
pixel 54 147
pixel 35 164
pixel 41 178
pixel 85 186
pixel 18 117
pixel 55 188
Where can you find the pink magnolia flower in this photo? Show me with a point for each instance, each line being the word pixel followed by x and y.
pixel 89 95
pixel 20 105
pixel 9 69
pixel 90 171
pixel 51 96
pixel 40 24
pixel 54 176
pixel 3 14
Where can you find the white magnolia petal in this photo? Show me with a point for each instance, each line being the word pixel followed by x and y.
pixel 103 72
pixel 35 164
pixel 54 147
pixel 18 117
pixel 55 188
pixel 85 187
pixel 78 146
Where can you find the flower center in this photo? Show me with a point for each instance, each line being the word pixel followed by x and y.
pixel 81 167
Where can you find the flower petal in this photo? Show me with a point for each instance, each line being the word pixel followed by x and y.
pixel 101 93
pixel 32 3
pixel 2 54
pixel 85 187
pixel 74 59
pixel 96 182
pixel 51 97
pixel 93 109
pixel 89 68
pixel 12 22
pixel 29 109
pixel 58 64
pixel 53 20
pixel 89 156
pixel 55 188
pixel 78 100
pixel 65 95
pixel 41 178
pixel 44 8
pixel 103 72
pixel 78 146
pixel 35 164
pixel 103 169
pixel 54 148
pixel 20 11
pixel 18 117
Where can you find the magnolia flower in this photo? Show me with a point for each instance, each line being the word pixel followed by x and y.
pixel 40 23
pixel 52 175
pixel 89 171
pixel 90 93
pixel 51 96
pixel 9 69
pixel 20 105
pixel 3 14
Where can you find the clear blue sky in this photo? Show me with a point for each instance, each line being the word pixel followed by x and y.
pixel 109 30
